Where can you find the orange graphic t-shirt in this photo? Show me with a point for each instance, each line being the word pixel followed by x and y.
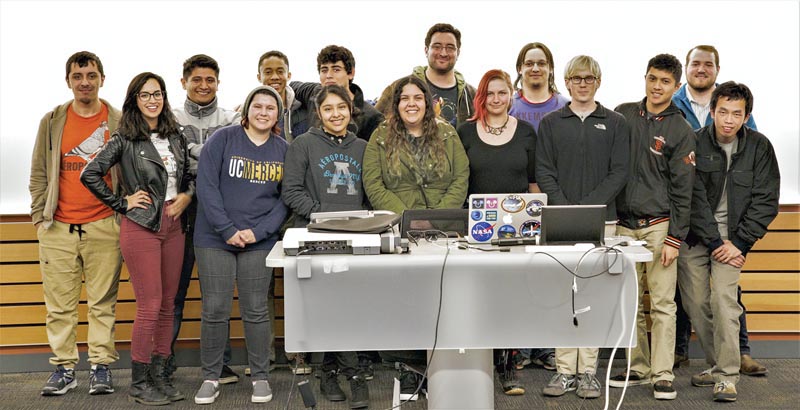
pixel 81 140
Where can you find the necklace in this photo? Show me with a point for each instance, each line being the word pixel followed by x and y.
pixel 497 130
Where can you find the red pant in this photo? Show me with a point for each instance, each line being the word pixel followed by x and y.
pixel 154 261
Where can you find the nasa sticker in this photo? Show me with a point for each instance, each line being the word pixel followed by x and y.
pixel 477 203
pixel 491 215
pixel 491 203
pixel 506 231
pixel 512 203
pixel 476 215
pixel 482 231
pixel 534 207
pixel 530 228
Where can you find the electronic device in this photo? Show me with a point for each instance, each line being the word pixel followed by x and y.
pixel 299 241
pixel 571 224
pixel 504 216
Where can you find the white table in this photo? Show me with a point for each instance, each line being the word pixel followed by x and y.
pixel 489 300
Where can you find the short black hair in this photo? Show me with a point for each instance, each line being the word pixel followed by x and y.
pixel 443 28
pixel 733 91
pixel 199 60
pixel 82 59
pixel 332 54
pixel 668 63
pixel 273 53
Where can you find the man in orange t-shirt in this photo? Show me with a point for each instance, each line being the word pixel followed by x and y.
pixel 78 234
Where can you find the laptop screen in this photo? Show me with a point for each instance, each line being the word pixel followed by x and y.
pixel 571 224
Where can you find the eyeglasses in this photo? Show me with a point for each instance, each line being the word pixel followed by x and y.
pixel 577 80
pixel 450 49
pixel 144 96
pixel 429 235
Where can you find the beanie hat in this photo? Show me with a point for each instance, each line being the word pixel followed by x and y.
pixel 260 90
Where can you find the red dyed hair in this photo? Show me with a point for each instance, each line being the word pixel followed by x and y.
pixel 483 89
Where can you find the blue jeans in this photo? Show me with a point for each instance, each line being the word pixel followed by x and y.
pixel 219 271
pixel 183 288
pixel 683 330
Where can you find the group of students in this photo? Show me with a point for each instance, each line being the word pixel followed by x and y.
pixel 217 186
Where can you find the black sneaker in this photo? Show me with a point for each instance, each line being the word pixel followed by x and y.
pixel 663 390
pixel 61 381
pixel 228 376
pixel 365 368
pixel 100 380
pixel 508 379
pixel 360 393
pixel 329 386
pixel 410 385
pixel 634 379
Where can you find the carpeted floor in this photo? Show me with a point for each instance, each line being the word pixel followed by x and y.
pixel 779 390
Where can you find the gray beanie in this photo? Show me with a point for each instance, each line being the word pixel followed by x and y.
pixel 261 89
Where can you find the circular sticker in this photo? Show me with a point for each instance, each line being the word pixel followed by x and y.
pixel 534 207
pixel 506 231
pixel 530 228
pixel 482 231
pixel 512 203
pixel 476 215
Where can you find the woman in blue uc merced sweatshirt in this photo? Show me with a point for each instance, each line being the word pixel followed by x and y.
pixel 239 216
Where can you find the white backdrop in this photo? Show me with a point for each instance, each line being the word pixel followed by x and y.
pixel 758 43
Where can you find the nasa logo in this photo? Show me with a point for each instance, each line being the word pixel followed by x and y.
pixel 506 231
pixel 477 203
pixel 491 203
pixel 491 215
pixel 482 231
pixel 476 215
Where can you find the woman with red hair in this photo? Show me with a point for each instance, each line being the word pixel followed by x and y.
pixel 500 148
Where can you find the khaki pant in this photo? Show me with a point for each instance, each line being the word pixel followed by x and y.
pixel 654 359
pixel 577 360
pixel 708 290
pixel 65 259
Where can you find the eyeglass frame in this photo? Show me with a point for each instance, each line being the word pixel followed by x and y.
pixel 449 49
pixel 588 80
pixel 430 235
pixel 159 97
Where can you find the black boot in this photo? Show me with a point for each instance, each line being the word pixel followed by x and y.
pixel 170 366
pixel 142 389
pixel 360 393
pixel 162 380
pixel 329 386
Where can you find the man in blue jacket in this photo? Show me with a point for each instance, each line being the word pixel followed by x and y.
pixel 735 198
pixel 693 99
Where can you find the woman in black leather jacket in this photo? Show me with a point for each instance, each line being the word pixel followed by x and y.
pixel 151 156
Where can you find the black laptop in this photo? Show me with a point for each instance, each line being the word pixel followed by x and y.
pixel 571 224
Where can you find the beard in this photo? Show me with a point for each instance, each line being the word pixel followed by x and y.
pixel 702 85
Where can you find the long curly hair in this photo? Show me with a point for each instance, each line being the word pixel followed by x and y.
pixel 133 125
pixel 430 149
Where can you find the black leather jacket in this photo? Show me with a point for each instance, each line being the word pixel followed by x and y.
pixel 140 167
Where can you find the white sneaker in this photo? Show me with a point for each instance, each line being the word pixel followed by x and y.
pixel 262 393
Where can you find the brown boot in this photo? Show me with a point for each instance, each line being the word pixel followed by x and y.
pixel 751 367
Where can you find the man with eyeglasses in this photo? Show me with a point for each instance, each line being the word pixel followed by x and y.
pixel 654 207
pixel 200 116
pixel 452 96
pixel 581 159
pixel 734 200
pixel 693 98
pixel 337 66
pixel 78 234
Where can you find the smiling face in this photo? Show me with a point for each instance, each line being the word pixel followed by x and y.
pixel 334 114
pixel 263 113
pixel 335 74
pixel 729 117
pixel 274 73
pixel 442 52
pixel 702 70
pixel 660 85
pixel 498 97
pixel 150 102
pixel 201 85
pixel 85 82
pixel 411 106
